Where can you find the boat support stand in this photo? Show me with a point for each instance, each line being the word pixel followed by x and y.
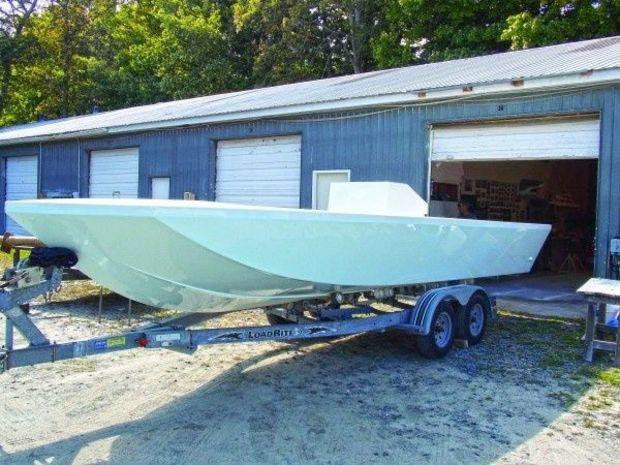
pixel 176 333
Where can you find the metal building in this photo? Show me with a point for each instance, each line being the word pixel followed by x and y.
pixel 284 145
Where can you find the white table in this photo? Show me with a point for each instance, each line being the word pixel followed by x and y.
pixel 599 293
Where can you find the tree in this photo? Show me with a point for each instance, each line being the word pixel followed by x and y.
pixel 420 31
pixel 286 40
pixel 365 19
pixel 65 57
pixel 117 53
pixel 14 17
pixel 561 21
pixel 169 49
pixel 293 40
pixel 62 36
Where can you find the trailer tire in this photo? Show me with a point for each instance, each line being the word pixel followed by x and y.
pixel 473 319
pixel 438 342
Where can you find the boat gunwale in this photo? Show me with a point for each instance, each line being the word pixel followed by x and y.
pixel 173 207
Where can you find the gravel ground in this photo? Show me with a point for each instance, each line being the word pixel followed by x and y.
pixel 522 396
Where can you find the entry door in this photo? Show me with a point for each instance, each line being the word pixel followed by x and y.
pixel 321 182
pixel 114 173
pixel 21 184
pixel 259 171
pixel 160 188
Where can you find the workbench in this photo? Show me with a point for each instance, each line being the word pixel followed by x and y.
pixel 599 293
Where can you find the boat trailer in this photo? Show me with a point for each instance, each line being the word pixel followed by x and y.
pixel 439 316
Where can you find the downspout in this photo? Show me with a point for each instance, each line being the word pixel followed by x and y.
pixel 39 170
pixel 79 169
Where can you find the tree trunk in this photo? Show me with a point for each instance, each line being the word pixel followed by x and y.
pixel 357 39
pixel 66 59
pixel 5 84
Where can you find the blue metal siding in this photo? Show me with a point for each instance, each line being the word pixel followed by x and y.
pixel 62 159
pixel 377 144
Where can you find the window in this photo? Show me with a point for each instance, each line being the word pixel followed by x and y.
pixel 321 181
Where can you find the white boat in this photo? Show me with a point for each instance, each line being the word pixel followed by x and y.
pixel 200 256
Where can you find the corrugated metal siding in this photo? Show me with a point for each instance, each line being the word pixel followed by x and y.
pixel 389 145
pixel 59 168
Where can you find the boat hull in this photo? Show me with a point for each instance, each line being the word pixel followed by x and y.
pixel 206 256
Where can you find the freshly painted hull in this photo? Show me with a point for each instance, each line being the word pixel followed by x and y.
pixel 214 257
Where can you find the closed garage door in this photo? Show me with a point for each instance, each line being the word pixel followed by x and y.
pixel 114 173
pixel 21 183
pixel 558 138
pixel 261 171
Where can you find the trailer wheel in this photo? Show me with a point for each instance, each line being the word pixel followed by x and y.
pixel 438 342
pixel 473 319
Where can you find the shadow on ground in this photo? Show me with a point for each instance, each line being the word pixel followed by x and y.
pixel 364 399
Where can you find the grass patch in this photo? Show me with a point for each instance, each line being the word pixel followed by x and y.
pixel 566 398
pixel 556 341
pixel 553 360
pixel 6 259
pixel 598 402
pixel 81 365
pixel 609 376
pixel 588 422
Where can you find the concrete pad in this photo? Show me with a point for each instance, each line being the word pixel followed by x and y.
pixel 574 310
pixel 542 294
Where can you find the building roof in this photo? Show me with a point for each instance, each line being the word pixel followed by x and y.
pixel 573 64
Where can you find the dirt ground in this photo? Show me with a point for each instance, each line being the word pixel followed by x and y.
pixel 522 396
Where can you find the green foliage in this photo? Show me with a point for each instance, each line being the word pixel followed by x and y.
pixel 610 376
pixel 112 54
pixel 561 20
pixel 420 31
pixel 65 57
pixel 294 40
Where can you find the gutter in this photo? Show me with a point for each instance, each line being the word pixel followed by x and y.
pixel 418 97
pixel 54 137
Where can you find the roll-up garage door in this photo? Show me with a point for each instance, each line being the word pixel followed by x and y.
pixel 534 139
pixel 259 171
pixel 114 173
pixel 21 184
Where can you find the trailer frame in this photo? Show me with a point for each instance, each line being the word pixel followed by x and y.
pixel 24 284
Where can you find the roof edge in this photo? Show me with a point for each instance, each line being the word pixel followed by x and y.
pixel 419 97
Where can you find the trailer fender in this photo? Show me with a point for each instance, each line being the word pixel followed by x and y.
pixel 422 314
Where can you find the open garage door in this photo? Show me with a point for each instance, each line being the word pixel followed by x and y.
pixel 538 171
pixel 535 139
pixel 260 171
pixel 114 173
pixel 21 184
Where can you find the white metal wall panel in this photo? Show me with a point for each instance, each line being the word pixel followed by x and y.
pixel 21 183
pixel 160 188
pixel 564 138
pixel 260 171
pixel 114 173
